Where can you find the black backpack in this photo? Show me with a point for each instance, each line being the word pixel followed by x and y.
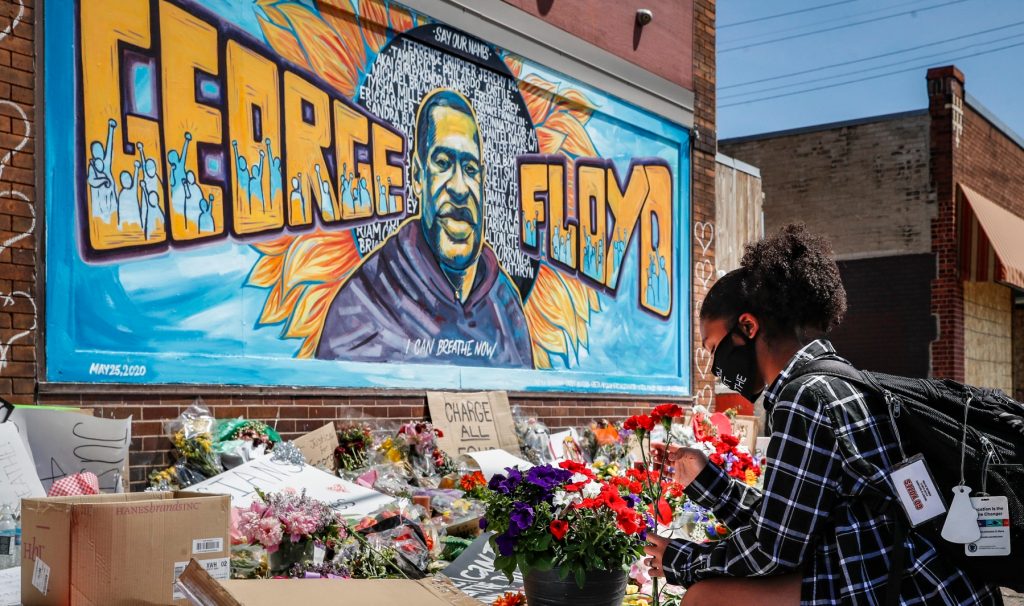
pixel 930 416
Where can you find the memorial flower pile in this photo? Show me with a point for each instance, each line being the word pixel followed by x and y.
pixel 288 516
pixel 474 485
pixel 564 517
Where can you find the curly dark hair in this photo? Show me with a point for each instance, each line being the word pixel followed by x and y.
pixel 788 280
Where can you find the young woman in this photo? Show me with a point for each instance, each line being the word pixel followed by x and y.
pixel 819 532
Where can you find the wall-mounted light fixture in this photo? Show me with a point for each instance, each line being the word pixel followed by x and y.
pixel 644 16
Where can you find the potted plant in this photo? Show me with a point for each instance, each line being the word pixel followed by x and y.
pixel 571 534
pixel 288 524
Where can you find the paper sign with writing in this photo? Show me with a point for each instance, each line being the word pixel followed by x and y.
pixel 490 462
pixel 318 446
pixel 473 572
pixel 473 421
pixel 241 482
pixel 65 443
pixel 18 479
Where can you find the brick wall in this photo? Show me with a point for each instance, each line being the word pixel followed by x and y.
pixel 1018 354
pixel 865 184
pixel 888 326
pixel 945 87
pixel 17 196
pixel 614 28
pixel 705 147
pixel 292 414
pixel 988 325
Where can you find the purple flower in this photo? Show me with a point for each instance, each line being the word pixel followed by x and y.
pixel 506 484
pixel 506 544
pixel 521 518
pixel 547 478
pixel 632 499
pixel 483 523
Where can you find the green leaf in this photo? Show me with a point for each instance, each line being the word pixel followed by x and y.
pixel 581 577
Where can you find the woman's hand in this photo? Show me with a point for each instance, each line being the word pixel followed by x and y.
pixel 683 463
pixel 655 550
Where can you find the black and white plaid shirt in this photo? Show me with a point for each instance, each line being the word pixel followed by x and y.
pixel 813 514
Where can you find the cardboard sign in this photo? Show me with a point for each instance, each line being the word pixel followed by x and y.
pixel 18 479
pixel 197 583
pixel 318 447
pixel 473 421
pixel 473 572
pixel 64 443
pixel 241 482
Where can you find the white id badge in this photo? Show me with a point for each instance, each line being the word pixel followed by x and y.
pixel 917 491
pixel 994 520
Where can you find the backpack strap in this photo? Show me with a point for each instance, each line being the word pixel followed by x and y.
pixel 841 369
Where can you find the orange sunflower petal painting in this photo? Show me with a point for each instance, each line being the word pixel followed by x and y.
pixel 348 193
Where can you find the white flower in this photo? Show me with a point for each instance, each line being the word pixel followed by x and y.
pixel 578 478
pixel 563 498
pixel 591 490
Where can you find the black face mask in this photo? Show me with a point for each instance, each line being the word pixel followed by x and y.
pixel 736 365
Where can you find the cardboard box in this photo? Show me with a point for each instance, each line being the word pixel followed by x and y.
pixel 203 590
pixel 119 548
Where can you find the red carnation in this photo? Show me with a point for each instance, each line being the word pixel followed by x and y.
pixel 731 440
pixel 667 411
pixel 559 528
pixel 717 459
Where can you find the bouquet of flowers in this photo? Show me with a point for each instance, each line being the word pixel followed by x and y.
pixel 257 433
pixel 416 443
pixel 564 517
pixel 726 452
pixel 534 438
pixel 603 440
pixel 354 443
pixel 197 450
pixel 288 517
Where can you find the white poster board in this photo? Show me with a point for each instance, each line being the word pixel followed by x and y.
pixel 241 482
pixel 18 479
pixel 65 443
pixel 491 462
pixel 473 422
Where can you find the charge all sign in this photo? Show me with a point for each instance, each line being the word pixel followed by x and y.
pixel 473 422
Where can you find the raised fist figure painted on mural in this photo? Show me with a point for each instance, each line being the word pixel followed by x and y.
pixel 434 292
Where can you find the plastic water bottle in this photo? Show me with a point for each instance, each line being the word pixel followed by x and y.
pixel 9 552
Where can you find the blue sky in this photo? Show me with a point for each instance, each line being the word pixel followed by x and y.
pixel 945 26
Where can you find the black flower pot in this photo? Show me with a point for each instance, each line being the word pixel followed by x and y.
pixel 545 588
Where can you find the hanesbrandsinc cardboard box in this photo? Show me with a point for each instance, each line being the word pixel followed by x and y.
pixel 120 548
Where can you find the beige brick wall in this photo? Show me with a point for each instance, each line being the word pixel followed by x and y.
pixel 988 323
pixel 865 186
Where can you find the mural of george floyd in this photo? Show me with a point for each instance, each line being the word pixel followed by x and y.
pixel 313 209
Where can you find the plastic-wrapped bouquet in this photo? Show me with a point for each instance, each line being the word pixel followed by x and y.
pixel 289 517
pixel 354 444
pixel 416 443
pixel 534 438
pixel 608 442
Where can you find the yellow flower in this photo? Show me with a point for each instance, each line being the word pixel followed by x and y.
pixel 751 478
pixel 394 455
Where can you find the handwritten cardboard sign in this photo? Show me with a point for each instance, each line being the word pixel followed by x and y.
pixel 473 572
pixel 318 447
pixel 18 479
pixel 473 422
pixel 241 482
pixel 64 443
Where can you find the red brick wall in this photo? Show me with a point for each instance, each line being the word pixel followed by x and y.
pixel 705 146
pixel 614 29
pixel 17 196
pixel 292 414
pixel 945 85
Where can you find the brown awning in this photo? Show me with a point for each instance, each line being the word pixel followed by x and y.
pixel 991 241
